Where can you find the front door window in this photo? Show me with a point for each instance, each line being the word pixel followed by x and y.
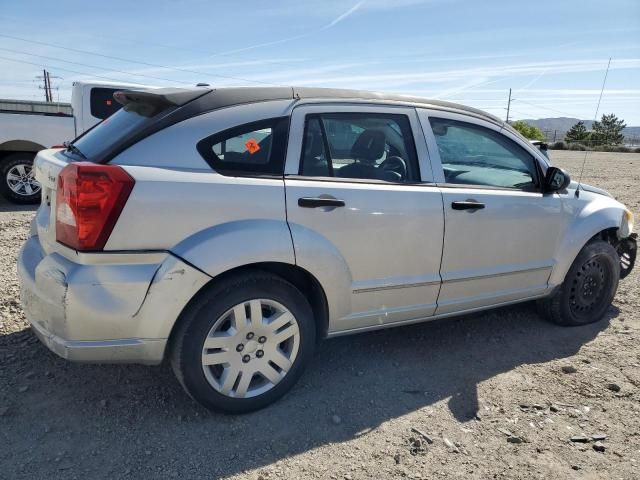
pixel 475 155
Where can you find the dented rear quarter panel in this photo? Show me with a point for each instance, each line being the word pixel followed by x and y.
pixel 135 296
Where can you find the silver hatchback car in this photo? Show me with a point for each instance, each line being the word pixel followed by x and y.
pixel 231 229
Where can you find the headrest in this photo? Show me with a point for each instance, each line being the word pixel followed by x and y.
pixel 369 146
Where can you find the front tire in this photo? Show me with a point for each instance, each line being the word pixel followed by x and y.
pixel 17 180
pixel 588 289
pixel 243 342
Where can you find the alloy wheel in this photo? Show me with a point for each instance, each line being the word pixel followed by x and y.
pixel 21 180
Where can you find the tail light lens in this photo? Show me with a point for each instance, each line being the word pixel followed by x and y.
pixel 89 200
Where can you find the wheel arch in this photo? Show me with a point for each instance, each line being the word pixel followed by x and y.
pixel 228 246
pixel 300 278
pixel 601 224
pixel 20 146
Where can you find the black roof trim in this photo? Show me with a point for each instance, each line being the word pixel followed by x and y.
pixel 213 99
pixel 226 97
pixel 306 93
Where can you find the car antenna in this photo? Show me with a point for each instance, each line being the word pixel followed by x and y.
pixel 595 119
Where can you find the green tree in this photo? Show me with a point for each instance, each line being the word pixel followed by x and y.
pixel 577 134
pixel 608 131
pixel 528 131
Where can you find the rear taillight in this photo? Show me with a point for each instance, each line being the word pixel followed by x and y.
pixel 89 200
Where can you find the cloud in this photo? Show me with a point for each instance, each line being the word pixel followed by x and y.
pixel 332 23
pixel 341 17
pixel 569 91
pixel 530 83
pixel 397 78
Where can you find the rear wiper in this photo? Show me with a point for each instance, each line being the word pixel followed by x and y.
pixel 72 148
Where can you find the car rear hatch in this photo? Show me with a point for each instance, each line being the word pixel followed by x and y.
pixel 141 111
pixel 48 165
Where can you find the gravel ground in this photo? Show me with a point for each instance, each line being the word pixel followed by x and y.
pixel 492 395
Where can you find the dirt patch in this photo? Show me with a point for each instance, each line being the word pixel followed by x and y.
pixel 501 394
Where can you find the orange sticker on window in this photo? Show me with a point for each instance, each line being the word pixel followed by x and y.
pixel 252 146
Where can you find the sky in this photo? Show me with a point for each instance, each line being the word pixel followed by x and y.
pixel 552 54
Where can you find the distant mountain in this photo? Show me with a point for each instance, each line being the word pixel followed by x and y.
pixel 563 124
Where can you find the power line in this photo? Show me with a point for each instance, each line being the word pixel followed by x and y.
pixel 121 59
pixel 528 115
pixel 544 108
pixel 17 83
pixel 111 79
pixel 162 45
pixel 95 66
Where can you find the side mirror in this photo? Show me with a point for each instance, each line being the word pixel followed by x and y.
pixel 556 179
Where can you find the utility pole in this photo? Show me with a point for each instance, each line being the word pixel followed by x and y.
pixel 46 85
pixel 508 105
pixel 46 79
pixel 49 87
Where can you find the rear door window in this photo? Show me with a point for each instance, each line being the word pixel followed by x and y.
pixel 373 146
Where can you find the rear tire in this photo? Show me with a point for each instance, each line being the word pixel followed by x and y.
pixel 588 289
pixel 243 342
pixel 16 182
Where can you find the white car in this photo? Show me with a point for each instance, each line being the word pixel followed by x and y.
pixel 230 230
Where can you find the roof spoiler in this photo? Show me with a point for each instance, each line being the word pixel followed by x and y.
pixel 160 97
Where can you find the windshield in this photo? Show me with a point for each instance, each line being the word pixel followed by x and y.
pixel 132 117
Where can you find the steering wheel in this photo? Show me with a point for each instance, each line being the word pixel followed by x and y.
pixel 395 164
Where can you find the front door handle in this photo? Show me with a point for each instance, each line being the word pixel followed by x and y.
pixel 467 205
pixel 315 202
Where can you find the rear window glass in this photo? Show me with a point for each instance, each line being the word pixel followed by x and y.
pixel 256 148
pixel 252 147
pixel 132 117
pixel 102 103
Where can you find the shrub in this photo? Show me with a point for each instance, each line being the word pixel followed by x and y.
pixel 597 148
pixel 529 131
pixel 614 148
pixel 577 146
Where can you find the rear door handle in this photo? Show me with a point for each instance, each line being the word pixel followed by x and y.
pixel 467 205
pixel 307 202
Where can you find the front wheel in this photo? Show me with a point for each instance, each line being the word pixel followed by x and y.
pixel 243 342
pixel 588 288
pixel 17 179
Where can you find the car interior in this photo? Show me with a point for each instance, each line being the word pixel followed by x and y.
pixel 376 152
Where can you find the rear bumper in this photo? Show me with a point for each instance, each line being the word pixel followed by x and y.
pixel 108 312
pixel 124 350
